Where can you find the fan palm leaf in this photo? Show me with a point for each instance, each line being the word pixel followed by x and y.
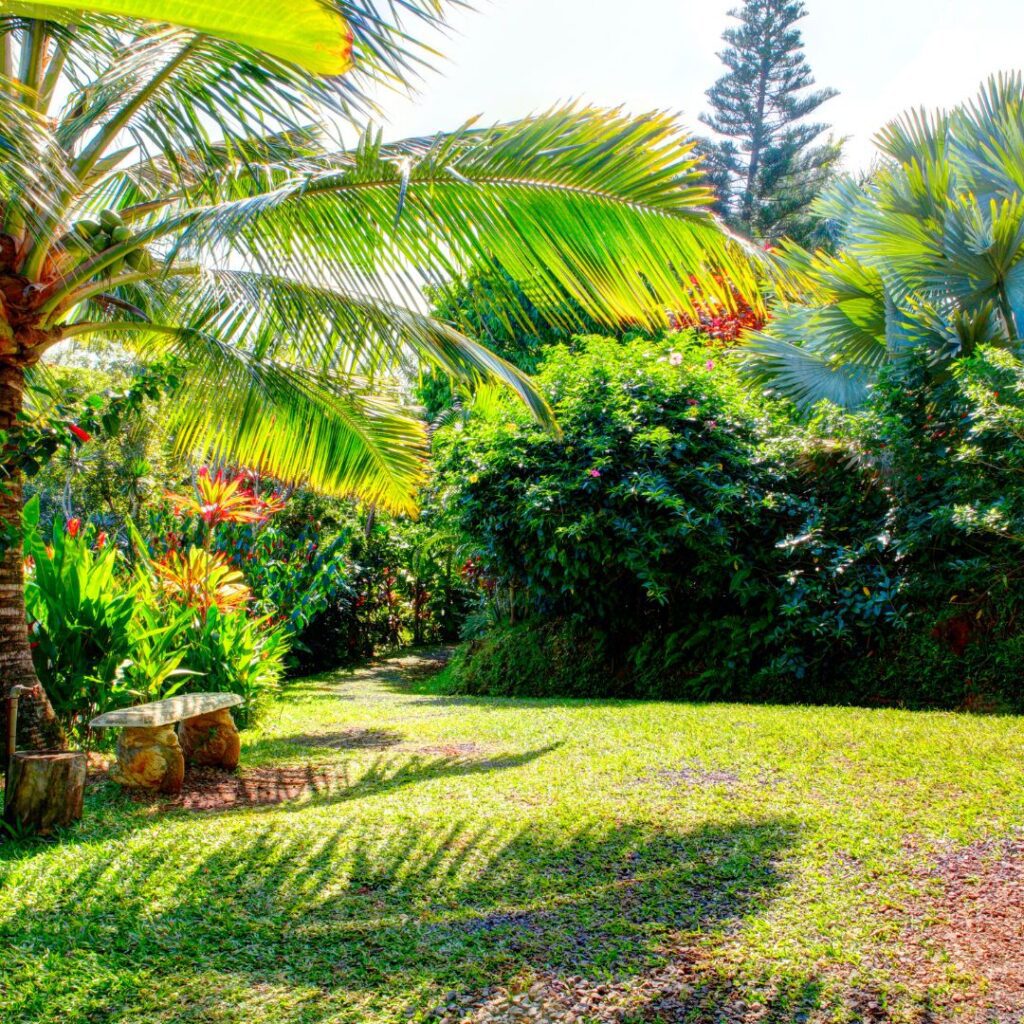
pixel 938 229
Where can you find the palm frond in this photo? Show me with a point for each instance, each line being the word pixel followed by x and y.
pixel 592 205
pixel 806 376
pixel 340 435
pixel 312 36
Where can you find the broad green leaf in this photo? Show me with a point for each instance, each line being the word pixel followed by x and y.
pixel 305 32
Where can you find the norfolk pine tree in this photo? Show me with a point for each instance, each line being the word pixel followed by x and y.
pixel 766 163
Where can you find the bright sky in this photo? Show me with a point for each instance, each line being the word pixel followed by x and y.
pixel 510 58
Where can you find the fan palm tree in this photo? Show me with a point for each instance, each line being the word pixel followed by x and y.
pixel 169 183
pixel 932 256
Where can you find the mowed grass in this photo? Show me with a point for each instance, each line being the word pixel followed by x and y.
pixel 445 846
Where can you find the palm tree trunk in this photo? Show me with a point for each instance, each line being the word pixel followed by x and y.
pixel 38 728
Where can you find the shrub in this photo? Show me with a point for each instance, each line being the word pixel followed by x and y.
pixel 105 636
pixel 232 653
pixel 537 660
pixel 706 544
pixel 653 516
pixel 80 613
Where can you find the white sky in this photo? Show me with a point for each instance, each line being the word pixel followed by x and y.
pixel 510 58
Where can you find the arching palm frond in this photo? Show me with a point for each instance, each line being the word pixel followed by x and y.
pixel 201 209
pixel 333 249
pixel 341 434
pixel 594 205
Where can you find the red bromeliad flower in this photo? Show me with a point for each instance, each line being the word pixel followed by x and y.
pixel 219 499
pixel 101 540
pixel 82 435
pixel 73 527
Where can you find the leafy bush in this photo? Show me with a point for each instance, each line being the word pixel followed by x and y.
pixel 106 635
pixel 654 515
pixel 232 653
pixel 537 660
pixel 80 613
pixel 940 457
pixel 687 539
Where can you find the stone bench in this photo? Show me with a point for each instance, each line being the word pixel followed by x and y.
pixel 151 754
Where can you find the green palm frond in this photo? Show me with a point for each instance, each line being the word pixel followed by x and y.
pixel 328 332
pixel 311 34
pixel 186 197
pixel 592 205
pixel 340 434
pixel 806 376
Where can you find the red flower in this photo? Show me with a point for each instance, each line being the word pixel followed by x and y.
pixel 82 436
pixel 596 474
pixel 74 527
pixel 101 540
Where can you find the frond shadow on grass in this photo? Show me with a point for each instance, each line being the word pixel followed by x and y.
pixel 359 913
pixel 336 782
pixel 316 745
pixel 295 787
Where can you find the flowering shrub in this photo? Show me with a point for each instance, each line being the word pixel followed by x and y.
pixel 222 498
pixel 105 636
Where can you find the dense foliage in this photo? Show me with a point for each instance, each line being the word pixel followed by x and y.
pixel 107 635
pixel 173 184
pixel 222 587
pixel 685 539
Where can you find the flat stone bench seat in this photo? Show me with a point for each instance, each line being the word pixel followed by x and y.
pixel 166 712
pixel 151 754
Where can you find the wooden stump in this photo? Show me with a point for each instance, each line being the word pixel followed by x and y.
pixel 150 759
pixel 211 740
pixel 45 791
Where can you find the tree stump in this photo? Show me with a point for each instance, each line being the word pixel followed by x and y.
pixel 45 791
pixel 211 740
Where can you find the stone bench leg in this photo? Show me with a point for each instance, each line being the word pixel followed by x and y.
pixel 211 740
pixel 150 759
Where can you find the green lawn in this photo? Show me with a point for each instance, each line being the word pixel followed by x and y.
pixel 597 861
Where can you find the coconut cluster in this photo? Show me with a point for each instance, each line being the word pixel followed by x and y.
pixel 92 237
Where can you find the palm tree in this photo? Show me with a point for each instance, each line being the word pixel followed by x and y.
pixel 932 256
pixel 169 183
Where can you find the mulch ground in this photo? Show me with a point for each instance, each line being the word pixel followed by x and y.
pixel 973 926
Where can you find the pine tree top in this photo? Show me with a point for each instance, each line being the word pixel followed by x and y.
pixel 766 164
pixel 768 74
